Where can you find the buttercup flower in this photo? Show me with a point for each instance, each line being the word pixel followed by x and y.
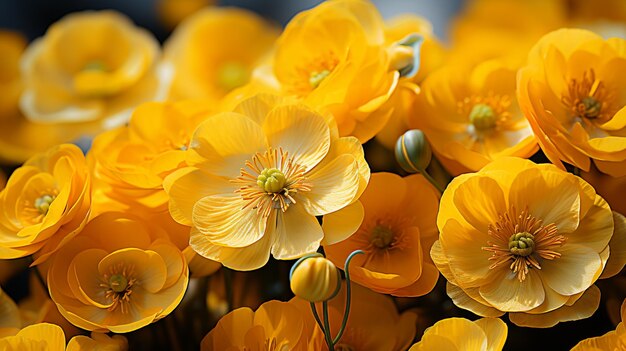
pixel 345 71
pixel 470 116
pixel 126 275
pixel 396 235
pixel 98 341
pixel 258 176
pixel 525 239
pixel 36 337
pixel 613 340
pixel 274 326
pixel 45 204
pixel 570 91
pixel 486 334
pixel 374 322
pixel 209 64
pixel 71 78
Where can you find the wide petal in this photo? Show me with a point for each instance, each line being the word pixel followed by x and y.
pixel 239 258
pixel 334 186
pixel 296 233
pixel 506 293
pixel 480 200
pixel 340 225
pixel 463 300
pixel 617 259
pixel 496 331
pixel 574 271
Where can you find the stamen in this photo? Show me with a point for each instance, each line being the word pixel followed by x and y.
pixel 381 236
pixel 589 99
pixel 486 112
pixel 42 204
pixel 119 282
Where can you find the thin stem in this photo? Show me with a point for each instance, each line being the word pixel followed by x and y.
pixel 431 180
pixel 329 339
pixel 317 318
pixel 346 312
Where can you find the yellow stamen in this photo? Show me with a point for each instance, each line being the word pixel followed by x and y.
pixel 522 238
pixel 589 98
pixel 118 283
pixel 482 117
pixel 42 204
pixel 381 236
pixel 271 180
pixel 486 112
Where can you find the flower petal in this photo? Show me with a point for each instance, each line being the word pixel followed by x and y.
pixel 506 293
pixel 296 233
pixel 480 200
pixel 333 186
pixel 340 225
pixel 574 271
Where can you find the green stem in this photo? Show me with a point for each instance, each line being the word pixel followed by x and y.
pixel 431 180
pixel 317 318
pixel 329 339
pixel 346 312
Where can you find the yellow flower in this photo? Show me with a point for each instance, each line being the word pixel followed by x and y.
pixel 432 56
pixel 374 323
pixel 315 279
pixel 98 341
pixel 345 71
pixel 614 340
pixel 396 241
pixel 208 64
pixel 486 334
pixel 89 71
pixel 36 337
pixel 470 116
pixel 570 93
pixel 526 239
pixel 274 326
pixel 125 275
pixel 45 204
pixel 258 176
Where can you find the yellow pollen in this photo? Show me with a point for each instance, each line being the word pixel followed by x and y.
pixel 381 237
pixel 486 112
pixel 482 117
pixel 271 180
pixel 42 204
pixel 118 283
pixel 589 98
pixel 317 78
pixel 520 239
pixel 232 75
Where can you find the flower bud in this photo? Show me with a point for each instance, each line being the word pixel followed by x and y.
pixel 315 279
pixel 413 151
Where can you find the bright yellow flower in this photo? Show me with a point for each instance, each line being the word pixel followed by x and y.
pixel 45 204
pixel 208 64
pixel 374 323
pixel 126 275
pixel 614 340
pixel 258 176
pixel 432 56
pixel 19 137
pixel 97 342
pixel 89 71
pixel 274 326
pixel 333 58
pixel 570 91
pixel 470 116
pixel 526 239
pixel 36 337
pixel 396 241
pixel 486 334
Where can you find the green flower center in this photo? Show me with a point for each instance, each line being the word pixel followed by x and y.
pixel 42 204
pixel 317 77
pixel 482 117
pixel 232 75
pixel 271 180
pixel 95 66
pixel 118 283
pixel 522 244
pixel 381 237
pixel 590 107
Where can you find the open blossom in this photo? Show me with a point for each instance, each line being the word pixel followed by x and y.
pixel 126 275
pixel 398 230
pixel 207 63
pixel 89 71
pixel 486 334
pixel 570 91
pixel 258 176
pixel 470 116
pixel 45 203
pixel 526 239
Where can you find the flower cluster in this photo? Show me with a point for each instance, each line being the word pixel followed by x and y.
pixel 162 191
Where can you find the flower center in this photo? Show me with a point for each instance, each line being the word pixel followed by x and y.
pixel 482 117
pixel 588 98
pixel 317 77
pixel 271 180
pixel 95 66
pixel 522 244
pixel 381 237
pixel 520 238
pixel 118 283
pixel 42 204
pixel 232 75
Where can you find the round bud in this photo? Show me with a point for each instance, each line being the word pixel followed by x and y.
pixel 315 279
pixel 413 151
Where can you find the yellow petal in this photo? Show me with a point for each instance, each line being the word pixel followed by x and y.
pixel 464 334
pixel 480 200
pixel 574 271
pixel 340 225
pixel 463 300
pixel 496 331
pixel 239 258
pixel 506 293
pixel 617 259
pixel 149 268
pixel 333 186
pixel 296 233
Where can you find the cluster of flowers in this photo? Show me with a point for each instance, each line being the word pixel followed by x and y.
pixel 238 141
